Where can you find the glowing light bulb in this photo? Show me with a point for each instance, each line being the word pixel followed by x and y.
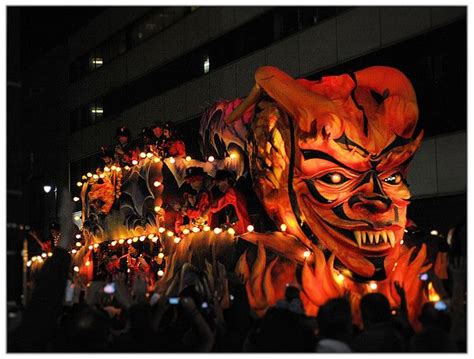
pixel 28 264
pixel 118 169
pixel 96 245
pixel 76 199
pixel 79 184
pixel 233 155
pixel 142 238
pixel 195 229
pixel 170 234
pixel 127 168
pixel 78 244
pixel 89 174
pixel 177 240
pixel 44 255
pixel 206 228
pixel 373 285
pixel 250 228
pixel 78 236
pixel 91 247
pixel 88 263
pixel 217 230
pixel 231 231
pixel 161 230
pixel 129 241
pixel 77 218
pixel 121 241
pixel 188 158
pixel 106 169
pixel 434 232
pixel 113 243
pixel 161 255
pixel 156 159
pixel 211 158
pixel 402 241
pixel 73 251
pixel 47 189
pixel 340 277
pixel 96 177
pixel 149 155
pixel 185 231
pixel 76 269
pixel 134 162
pixel 101 175
pixel 155 239
pixel 172 160
pixel 160 273
pixel 283 227
pixel 143 155
pixel 150 236
pixel 157 183
pixel 306 254
pixel 113 168
pixel 135 239
pixel 50 254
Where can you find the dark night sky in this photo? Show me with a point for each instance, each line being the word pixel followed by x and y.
pixel 44 27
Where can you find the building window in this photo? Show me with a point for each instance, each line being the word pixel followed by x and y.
pixel 97 62
pixel 96 112
pixel 206 64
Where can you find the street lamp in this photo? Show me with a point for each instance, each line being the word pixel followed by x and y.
pixel 47 188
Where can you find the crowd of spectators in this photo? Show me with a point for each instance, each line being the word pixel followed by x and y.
pixel 132 320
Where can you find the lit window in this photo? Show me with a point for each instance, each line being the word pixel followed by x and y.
pixel 97 62
pixel 207 64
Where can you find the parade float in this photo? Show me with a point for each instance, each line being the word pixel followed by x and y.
pixel 327 161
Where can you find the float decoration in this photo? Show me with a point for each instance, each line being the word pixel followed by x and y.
pixel 328 161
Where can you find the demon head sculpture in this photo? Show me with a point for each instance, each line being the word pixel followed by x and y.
pixel 329 160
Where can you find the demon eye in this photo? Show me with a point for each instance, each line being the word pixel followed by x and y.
pixel 333 178
pixel 394 179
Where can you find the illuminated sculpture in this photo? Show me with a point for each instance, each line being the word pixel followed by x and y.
pixel 329 161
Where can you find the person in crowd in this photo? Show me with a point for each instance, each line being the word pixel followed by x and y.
pixel 160 139
pixel 292 301
pixel 195 201
pixel 228 206
pixel 173 146
pixel 107 156
pixel 147 140
pixel 123 150
pixel 379 333
pixel 40 318
pixel 280 330
pixel 334 326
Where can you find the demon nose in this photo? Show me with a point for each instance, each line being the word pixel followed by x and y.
pixel 372 196
pixel 376 203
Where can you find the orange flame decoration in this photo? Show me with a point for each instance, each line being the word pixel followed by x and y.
pixel 320 281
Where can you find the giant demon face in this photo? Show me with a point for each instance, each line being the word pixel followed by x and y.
pixel 335 170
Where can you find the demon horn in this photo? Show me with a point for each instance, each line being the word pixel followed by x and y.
pixel 302 104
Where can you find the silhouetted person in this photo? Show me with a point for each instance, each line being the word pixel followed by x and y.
pixel 335 326
pixel 379 334
pixel 433 340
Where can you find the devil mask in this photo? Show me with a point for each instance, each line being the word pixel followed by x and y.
pixel 329 160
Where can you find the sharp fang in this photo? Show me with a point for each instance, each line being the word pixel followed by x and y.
pixel 383 234
pixel 371 237
pixel 363 234
pixel 377 238
pixel 391 237
pixel 358 238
